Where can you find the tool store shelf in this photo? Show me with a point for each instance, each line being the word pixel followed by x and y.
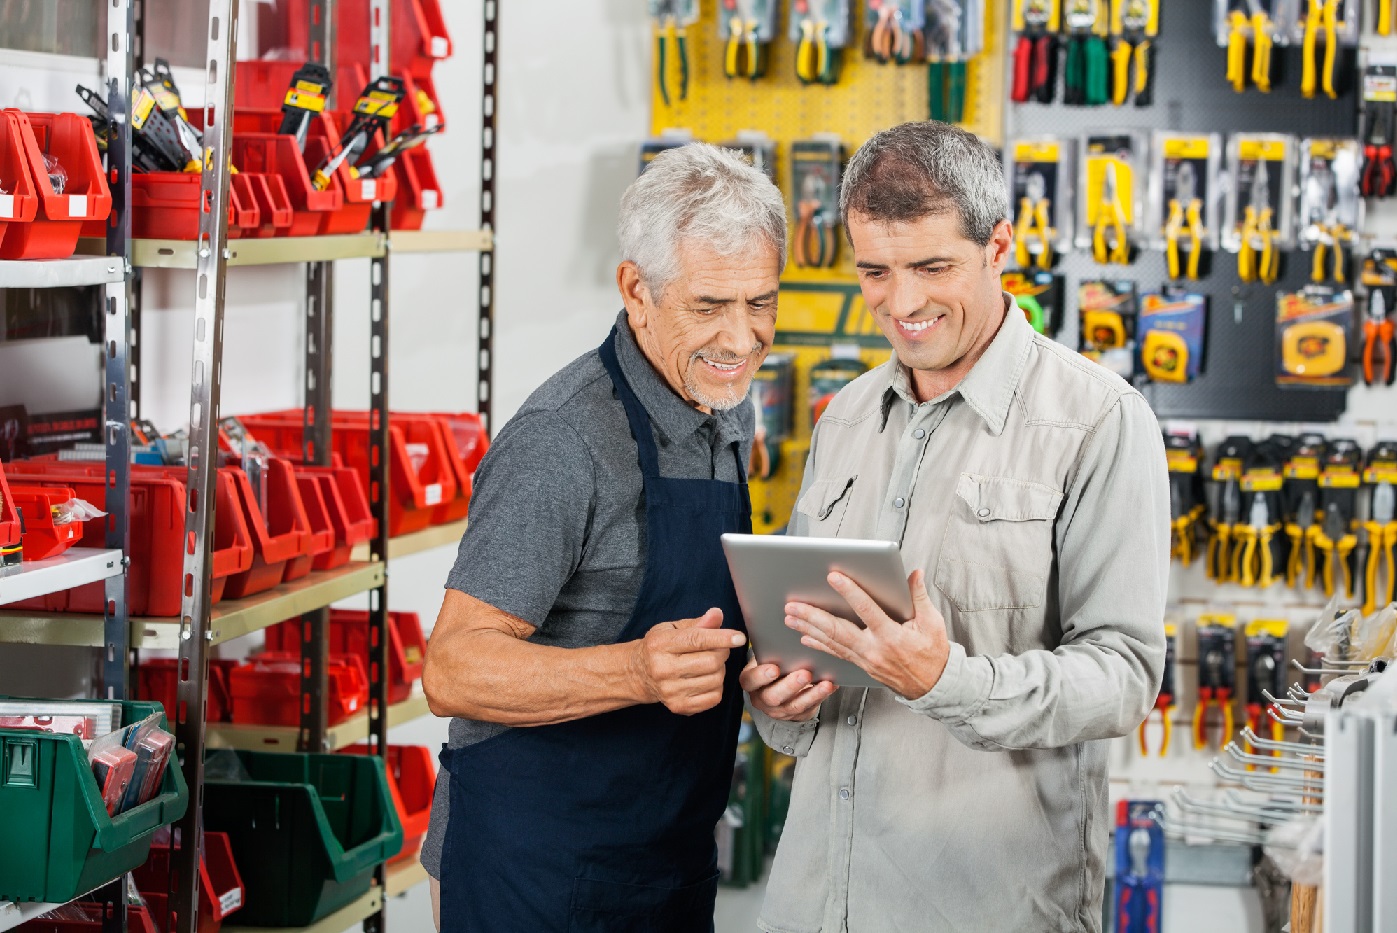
pixel 403 878
pixel 441 241
pixel 12 914
pixel 61 273
pixel 229 619
pixel 181 254
pixel 283 738
pixel 338 922
pixel 416 542
pixel 74 567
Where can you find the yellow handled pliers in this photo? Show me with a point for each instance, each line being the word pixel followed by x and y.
pixel 1382 540
pixel 1336 541
pixel 1253 560
pixel 814 62
pixel 1261 41
pixel 1185 215
pixel 1301 566
pixel 1033 224
pixel 671 31
pixel 1108 239
pixel 1262 264
pixel 745 56
pixel 1332 236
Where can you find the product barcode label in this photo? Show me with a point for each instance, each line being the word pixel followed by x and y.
pixel 77 205
pixel 231 900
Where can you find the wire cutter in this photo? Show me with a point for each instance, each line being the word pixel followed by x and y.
pixel 745 56
pixel 670 31
pixel 1382 536
pixel 1262 41
pixel 1379 168
pixel 1110 216
pixel 1164 703
pixel 1034 56
pixel 813 246
pixel 1181 520
pixel 1301 564
pixel 1256 225
pixel 1132 46
pixel 1185 214
pixel 1379 348
pixel 1253 554
pixel 1219 545
pixel 815 63
pixel 1336 541
pixel 1033 224
pixel 1265 674
pixel 1215 680
pixel 1086 73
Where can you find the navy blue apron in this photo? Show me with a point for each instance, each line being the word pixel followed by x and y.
pixel 606 823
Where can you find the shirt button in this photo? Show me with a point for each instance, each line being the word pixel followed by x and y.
pixel 853 720
pixel 899 502
pixel 845 793
pixel 983 513
pixel 919 434
pixel 788 749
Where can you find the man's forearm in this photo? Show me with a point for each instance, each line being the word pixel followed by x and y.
pixel 491 676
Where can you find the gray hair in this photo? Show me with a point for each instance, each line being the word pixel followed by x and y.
pixel 919 169
pixel 702 194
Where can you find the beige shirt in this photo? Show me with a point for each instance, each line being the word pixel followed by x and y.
pixel 1035 497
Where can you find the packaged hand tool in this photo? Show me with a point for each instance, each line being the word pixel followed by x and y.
pixel 113 768
pixel 1224 495
pixel 1217 674
pixel 1112 187
pixel 1380 527
pixel 1184 198
pixel 1172 327
pixel 1335 540
pixel 1239 23
pixel 893 30
pixel 1300 495
pixel 1086 72
pixel 1036 22
pixel 1108 313
pixel 747 28
pixel 672 20
pixel 1379 345
pixel 828 376
pixel 1164 703
pixel 373 111
pixel 1379 176
pixel 310 86
pixel 1139 866
pixel 1040 174
pixel 154 139
pixel 1313 337
pixel 1039 296
pixel 1266 673
pixel 821 31
pixel 1257 547
pixel 1329 170
pixel 1334 25
pixel 816 168
pixel 1259 204
pixel 377 164
pixel 954 34
pixel 773 390
pixel 1134 26
pixel 160 81
pixel 1184 455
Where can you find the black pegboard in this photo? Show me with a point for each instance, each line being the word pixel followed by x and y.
pixel 1191 95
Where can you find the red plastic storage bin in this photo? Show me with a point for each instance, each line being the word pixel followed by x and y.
pixel 412 777
pixel 44 537
pixel 280 532
pixel 158 679
pixel 266 689
pixel 22 202
pixel 157 535
pixel 53 233
pixel 418 189
pixel 466 430
pixel 348 509
pixel 10 527
pixel 274 211
pixel 273 154
pixel 221 889
pixel 322 526
pixel 417 489
pixel 166 206
pixel 86 917
pixel 418 28
pixel 349 635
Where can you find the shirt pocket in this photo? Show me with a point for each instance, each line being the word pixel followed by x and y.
pixel 998 546
pixel 824 505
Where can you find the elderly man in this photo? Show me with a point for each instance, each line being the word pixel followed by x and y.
pixel 1028 489
pixel 589 643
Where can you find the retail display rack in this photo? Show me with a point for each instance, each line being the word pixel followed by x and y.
pixel 200 625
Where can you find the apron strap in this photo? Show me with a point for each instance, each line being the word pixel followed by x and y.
pixel 635 412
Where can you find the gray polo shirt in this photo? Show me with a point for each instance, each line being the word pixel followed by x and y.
pixel 557 518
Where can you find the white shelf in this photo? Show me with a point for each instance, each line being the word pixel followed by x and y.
pixel 74 567
pixel 12 915
pixel 283 738
pixel 180 254
pixel 59 273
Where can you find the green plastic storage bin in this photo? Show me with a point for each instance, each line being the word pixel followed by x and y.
pixel 56 840
pixel 307 832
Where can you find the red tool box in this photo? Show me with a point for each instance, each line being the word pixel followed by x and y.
pixel 419 483
pixel 158 679
pixel 86 917
pixel 349 635
pixel 10 527
pixel 43 536
pixel 412 778
pixel 221 889
pixel 157 534
pixel 57 222
pixel 166 206
pixel 266 689
pixel 281 534
pixel 22 202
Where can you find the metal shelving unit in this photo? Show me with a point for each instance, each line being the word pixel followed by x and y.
pixel 285 738
pixel 425 540
pixel 74 567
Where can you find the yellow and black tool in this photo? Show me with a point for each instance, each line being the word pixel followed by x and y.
pixel 1333 236
pixel 1254 554
pixel 1266 640
pixel 1109 243
pixel 745 54
pixel 1164 702
pixel 1335 541
pixel 1380 574
pixel 1033 224
pixel 1217 675
pixel 1105 330
pixel 816 61
pixel 1301 567
pixel 1165 356
pixel 1220 545
pixel 1182 454
pixel 1185 215
pixel 1314 348
pixel 1259 28
pixel 1257 258
pixel 1131 21
pixel 1383 26
pixel 671 30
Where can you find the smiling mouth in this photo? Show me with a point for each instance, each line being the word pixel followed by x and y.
pixel 919 327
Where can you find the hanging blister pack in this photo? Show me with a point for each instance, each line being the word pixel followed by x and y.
pixel 816 167
pixel 747 28
pixel 954 34
pixel 821 30
pixel 1258 221
pixel 1185 199
pixel 1134 26
pixel 1036 23
pixel 373 111
pixel 1329 202
pixel 1041 172
pixel 1110 199
pixel 672 19
pixel 893 31
pixel 1086 70
pixel 1313 334
pixel 1323 29
pixel 305 98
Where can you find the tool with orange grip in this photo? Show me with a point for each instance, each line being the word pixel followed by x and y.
pixel 1379 348
pixel 1217 675
pixel 1379 569
pixel 1164 703
pixel 1265 674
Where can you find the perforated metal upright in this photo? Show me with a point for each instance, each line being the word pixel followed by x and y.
pixel 489 123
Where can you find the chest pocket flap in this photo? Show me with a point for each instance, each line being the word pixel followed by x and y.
pixel 825 503
pixel 1002 499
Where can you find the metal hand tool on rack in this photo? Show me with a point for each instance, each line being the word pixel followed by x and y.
pixel 1262 42
pixel 1265 671
pixel 1035 54
pixel 814 241
pixel 1335 542
pixel 1219 546
pixel 1185 214
pixel 890 39
pixel 304 99
pixel 1379 348
pixel 1380 574
pixel 1301 566
pixel 1034 209
pixel 745 56
pixel 816 62
pixel 1216 679
pixel 1379 167
pixel 375 108
pixel 1108 239
pixel 1085 73
pixel 670 30
pixel 1133 45
pixel 1253 553
pixel 1164 702
pixel 1262 264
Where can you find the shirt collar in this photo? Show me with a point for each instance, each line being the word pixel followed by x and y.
pixel 990 385
pixel 671 417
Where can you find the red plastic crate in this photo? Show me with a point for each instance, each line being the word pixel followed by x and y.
pixel 166 206
pixel 280 537
pixel 349 635
pixel 157 535
pixel 22 202
pixel 348 509
pixel 416 491
pixel 43 537
pixel 322 526
pixel 266 689
pixel 272 154
pixel 466 430
pixel 412 778
pixel 418 28
pixel 221 890
pixel 53 233
pixel 159 680
pixel 86 917
pixel 10 528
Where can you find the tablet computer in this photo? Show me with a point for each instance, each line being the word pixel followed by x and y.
pixel 769 571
